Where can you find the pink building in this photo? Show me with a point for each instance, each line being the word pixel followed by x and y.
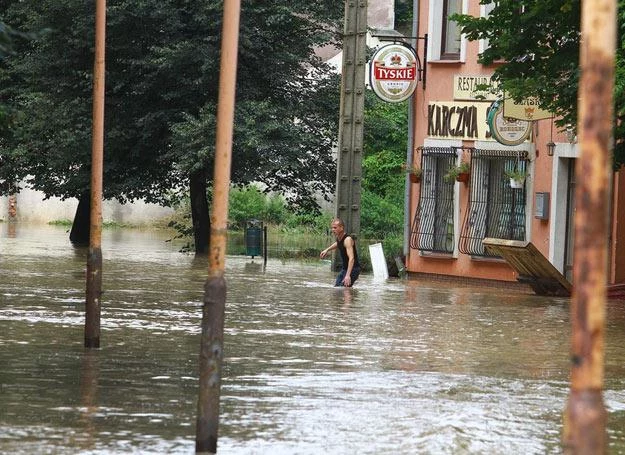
pixel 448 221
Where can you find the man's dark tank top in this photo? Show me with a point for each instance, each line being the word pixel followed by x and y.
pixel 343 251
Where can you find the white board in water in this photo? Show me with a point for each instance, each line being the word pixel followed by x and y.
pixel 378 262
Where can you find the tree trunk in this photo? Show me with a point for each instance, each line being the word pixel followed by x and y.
pixel 199 211
pixel 79 235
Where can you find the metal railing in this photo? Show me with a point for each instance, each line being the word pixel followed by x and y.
pixel 432 228
pixel 495 208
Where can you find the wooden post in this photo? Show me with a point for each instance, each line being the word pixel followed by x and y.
pixel 211 347
pixel 351 121
pixel 585 416
pixel 94 259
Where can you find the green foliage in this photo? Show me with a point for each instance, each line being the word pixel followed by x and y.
pixel 162 84
pixel 380 217
pixel 250 203
pixel 61 222
pixel 516 174
pixel 403 11
pixel 308 222
pixel 383 175
pixel 452 174
pixel 539 48
pixel 386 136
pixel 393 246
pixel 8 36
pixel 386 126
pixel 383 184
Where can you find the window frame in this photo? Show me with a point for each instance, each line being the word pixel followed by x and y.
pixel 436 33
pixel 445 55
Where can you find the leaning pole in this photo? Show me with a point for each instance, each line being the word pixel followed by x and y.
pixel 585 416
pixel 213 312
pixel 94 258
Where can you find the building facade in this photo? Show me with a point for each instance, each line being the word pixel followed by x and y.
pixel 448 218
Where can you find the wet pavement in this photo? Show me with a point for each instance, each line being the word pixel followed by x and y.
pixel 388 367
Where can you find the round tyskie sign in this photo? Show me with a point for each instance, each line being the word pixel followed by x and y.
pixel 393 71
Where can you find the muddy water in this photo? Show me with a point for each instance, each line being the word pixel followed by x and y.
pixel 389 367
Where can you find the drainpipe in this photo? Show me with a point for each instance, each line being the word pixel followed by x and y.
pixel 410 142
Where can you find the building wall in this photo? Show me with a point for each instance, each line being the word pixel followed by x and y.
pixel 547 174
pixel 381 14
pixel 33 208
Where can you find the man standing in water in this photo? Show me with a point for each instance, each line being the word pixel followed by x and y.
pixel 347 247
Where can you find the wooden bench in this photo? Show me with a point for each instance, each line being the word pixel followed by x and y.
pixel 531 266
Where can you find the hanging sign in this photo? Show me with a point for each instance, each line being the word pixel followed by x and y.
pixel 393 72
pixel 505 130
pixel 458 120
pixel 527 109
pixel 475 88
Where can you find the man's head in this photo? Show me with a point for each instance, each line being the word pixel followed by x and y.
pixel 338 227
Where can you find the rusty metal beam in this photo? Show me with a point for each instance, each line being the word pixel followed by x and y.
pixel 94 258
pixel 213 312
pixel 585 416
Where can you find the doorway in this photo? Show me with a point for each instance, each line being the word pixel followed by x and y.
pixel 570 222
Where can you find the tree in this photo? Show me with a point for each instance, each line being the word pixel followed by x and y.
pixel 535 46
pixel 161 92
pixel 286 111
pixel 48 83
pixel 8 35
pixel 386 136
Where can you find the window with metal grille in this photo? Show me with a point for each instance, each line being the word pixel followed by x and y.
pixel 432 228
pixel 495 208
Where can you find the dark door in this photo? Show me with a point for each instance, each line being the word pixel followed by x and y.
pixel 570 223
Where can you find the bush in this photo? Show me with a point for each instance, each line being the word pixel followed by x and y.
pixel 308 222
pixel 380 218
pixel 250 203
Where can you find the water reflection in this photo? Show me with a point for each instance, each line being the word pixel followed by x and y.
pixel 394 367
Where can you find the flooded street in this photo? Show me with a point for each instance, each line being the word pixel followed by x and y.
pixel 395 367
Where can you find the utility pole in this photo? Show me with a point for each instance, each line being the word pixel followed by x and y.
pixel 349 160
pixel 213 312
pixel 94 259
pixel 585 416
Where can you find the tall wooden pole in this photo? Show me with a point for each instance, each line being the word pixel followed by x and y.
pixel 211 348
pixel 585 416
pixel 94 259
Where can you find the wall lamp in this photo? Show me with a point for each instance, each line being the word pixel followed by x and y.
pixel 551 147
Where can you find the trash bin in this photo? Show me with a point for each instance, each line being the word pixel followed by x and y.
pixel 253 238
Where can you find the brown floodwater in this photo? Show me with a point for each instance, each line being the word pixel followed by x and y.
pixel 391 366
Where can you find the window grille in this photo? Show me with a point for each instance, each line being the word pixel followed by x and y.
pixel 432 228
pixel 495 209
